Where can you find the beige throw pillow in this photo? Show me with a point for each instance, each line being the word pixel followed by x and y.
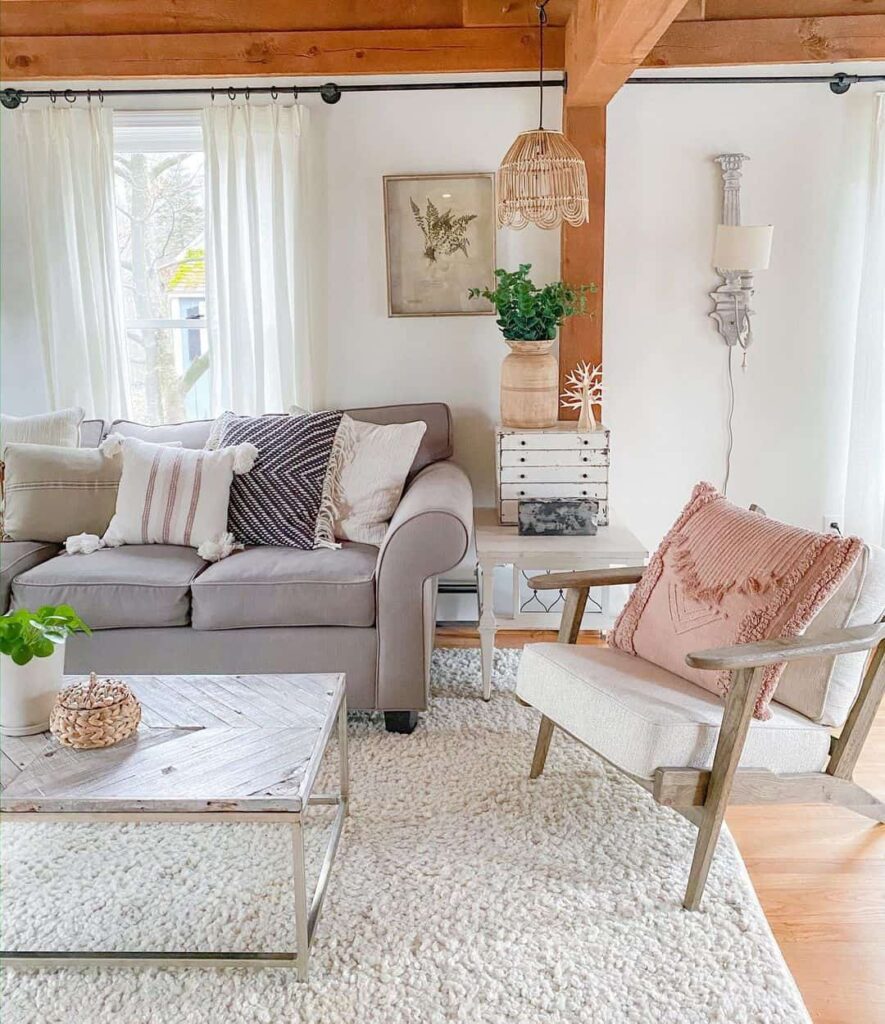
pixel 56 428
pixel 52 492
pixel 376 463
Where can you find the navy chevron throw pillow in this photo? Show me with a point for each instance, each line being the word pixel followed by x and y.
pixel 285 498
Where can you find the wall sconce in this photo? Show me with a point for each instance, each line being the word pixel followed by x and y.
pixel 738 252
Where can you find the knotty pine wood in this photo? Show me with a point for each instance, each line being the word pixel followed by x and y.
pixel 235 54
pixel 712 43
pixel 583 249
pixel 819 873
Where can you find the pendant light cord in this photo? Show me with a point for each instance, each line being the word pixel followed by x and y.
pixel 542 21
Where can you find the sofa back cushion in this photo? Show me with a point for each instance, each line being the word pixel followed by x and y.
pixel 823 689
pixel 435 445
pixel 91 433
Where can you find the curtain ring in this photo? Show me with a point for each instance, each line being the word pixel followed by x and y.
pixel 52 96
pixel 70 96
pixel 246 93
pixel 231 93
pixel 100 96
pixel 89 97
pixel 212 94
pixel 273 93
pixel 295 93
pixel 23 98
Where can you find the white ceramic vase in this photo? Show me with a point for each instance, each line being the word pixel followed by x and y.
pixel 27 692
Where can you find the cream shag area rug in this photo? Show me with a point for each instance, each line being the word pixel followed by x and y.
pixel 462 892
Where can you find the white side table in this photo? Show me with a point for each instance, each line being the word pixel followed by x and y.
pixel 502 545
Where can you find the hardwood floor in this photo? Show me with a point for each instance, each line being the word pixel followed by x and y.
pixel 820 876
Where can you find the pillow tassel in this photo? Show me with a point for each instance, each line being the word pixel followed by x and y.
pixel 83 544
pixel 245 455
pixel 112 445
pixel 342 450
pixel 220 547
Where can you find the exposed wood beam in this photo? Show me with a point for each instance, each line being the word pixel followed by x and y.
pixel 583 248
pixel 776 41
pixel 232 54
pixel 607 40
pixel 514 12
pixel 134 17
pixel 740 10
pixel 693 11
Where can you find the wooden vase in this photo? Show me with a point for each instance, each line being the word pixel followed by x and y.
pixel 529 385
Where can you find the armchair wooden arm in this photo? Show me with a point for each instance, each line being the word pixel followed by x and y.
pixel 770 652
pixel 588 578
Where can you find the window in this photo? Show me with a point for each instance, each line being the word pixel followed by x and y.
pixel 159 178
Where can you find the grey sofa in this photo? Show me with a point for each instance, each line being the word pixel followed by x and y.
pixel 362 610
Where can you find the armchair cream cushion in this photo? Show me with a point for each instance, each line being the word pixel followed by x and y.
pixel 641 717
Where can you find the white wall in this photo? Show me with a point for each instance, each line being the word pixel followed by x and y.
pixel 664 361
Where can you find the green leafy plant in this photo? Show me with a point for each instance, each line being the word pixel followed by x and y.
pixel 527 312
pixel 25 634
pixel 444 233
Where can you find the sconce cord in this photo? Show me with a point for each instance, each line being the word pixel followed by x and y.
pixel 729 420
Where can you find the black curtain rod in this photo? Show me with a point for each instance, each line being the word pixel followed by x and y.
pixel 331 92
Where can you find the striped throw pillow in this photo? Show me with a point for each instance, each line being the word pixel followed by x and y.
pixel 175 495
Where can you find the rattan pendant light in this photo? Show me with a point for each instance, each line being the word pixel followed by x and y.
pixel 542 179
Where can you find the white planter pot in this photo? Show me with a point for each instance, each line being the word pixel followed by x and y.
pixel 27 692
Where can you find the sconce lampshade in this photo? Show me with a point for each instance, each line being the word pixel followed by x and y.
pixel 742 247
pixel 542 180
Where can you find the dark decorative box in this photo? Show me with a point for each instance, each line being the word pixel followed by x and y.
pixel 557 517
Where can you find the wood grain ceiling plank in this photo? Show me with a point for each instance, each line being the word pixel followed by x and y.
pixel 769 41
pixel 393 51
pixel 134 17
pixel 514 12
pixel 741 10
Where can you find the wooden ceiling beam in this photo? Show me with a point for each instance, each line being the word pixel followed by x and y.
pixel 607 40
pixel 742 10
pixel 234 54
pixel 135 17
pixel 769 41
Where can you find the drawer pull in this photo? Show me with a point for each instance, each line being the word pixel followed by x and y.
pixel 584 475
pixel 521 493
pixel 522 458
pixel 522 476
pixel 522 443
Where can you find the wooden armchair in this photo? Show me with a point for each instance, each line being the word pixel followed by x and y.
pixel 702 794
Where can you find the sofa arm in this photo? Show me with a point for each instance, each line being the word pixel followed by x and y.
pixel 428 535
pixel 16 557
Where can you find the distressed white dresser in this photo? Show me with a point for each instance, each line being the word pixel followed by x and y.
pixel 554 462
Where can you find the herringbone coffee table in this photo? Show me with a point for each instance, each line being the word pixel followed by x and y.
pixel 209 748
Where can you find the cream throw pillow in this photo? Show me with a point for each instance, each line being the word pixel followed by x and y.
pixel 51 492
pixel 57 428
pixel 173 496
pixel 376 463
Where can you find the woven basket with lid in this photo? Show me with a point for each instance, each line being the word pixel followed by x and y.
pixel 98 713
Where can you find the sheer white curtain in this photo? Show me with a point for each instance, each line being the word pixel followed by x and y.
pixel 257 252
pixel 865 484
pixel 67 156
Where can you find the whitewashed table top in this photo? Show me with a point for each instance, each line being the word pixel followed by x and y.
pixel 613 542
pixel 205 744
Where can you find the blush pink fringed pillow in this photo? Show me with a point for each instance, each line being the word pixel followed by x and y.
pixel 724 575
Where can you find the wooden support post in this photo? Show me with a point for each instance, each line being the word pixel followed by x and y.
pixel 583 248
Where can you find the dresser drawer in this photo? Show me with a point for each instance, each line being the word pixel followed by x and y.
pixel 509 513
pixel 555 441
pixel 576 475
pixel 563 490
pixel 564 457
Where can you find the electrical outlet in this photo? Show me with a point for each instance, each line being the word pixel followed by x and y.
pixel 833 523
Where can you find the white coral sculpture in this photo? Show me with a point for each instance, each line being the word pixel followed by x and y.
pixel 584 376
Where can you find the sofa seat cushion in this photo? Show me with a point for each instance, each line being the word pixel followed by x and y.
pixel 642 717
pixel 141 585
pixel 16 557
pixel 281 586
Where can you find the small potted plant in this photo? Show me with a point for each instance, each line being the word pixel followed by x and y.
pixel 529 318
pixel 32 660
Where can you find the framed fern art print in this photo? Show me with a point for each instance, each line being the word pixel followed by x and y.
pixel 440 231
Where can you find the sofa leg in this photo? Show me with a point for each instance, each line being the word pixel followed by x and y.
pixel 545 732
pixel 400 721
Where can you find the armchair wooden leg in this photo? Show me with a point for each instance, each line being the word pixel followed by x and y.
pixel 545 731
pixel 732 734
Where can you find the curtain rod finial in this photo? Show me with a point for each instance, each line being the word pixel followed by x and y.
pixel 10 99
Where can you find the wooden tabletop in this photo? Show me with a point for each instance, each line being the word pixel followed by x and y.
pixel 614 542
pixel 226 743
